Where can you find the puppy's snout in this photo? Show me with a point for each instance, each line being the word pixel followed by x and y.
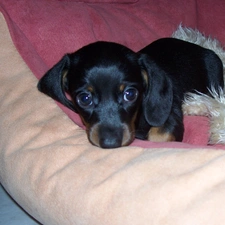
pixel 110 137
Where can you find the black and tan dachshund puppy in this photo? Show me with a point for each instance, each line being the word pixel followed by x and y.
pixel 120 94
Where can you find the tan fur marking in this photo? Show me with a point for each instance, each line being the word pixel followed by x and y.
pixel 64 74
pixel 128 135
pixel 90 88
pixel 129 131
pixel 93 134
pixel 157 135
pixel 122 86
pixel 145 76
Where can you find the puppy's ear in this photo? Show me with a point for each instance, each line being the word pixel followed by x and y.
pixel 158 97
pixel 52 83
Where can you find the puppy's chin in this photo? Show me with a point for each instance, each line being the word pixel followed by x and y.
pixel 110 136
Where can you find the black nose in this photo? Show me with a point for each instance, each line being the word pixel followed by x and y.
pixel 110 137
pixel 109 143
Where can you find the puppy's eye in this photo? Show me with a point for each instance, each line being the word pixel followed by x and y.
pixel 84 100
pixel 130 94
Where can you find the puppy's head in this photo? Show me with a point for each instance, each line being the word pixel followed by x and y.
pixel 106 82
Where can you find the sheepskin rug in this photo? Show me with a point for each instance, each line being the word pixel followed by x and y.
pixel 201 104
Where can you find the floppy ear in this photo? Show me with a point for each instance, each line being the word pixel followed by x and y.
pixel 158 98
pixel 52 82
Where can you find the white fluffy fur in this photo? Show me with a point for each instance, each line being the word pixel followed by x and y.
pixel 201 104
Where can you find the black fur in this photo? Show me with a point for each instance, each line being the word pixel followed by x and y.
pixel 121 94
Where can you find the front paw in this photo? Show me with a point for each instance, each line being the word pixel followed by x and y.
pixel 157 134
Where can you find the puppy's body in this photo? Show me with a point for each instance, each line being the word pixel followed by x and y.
pixel 189 68
pixel 188 65
pixel 121 94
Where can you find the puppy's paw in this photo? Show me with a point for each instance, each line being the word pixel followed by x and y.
pixel 156 134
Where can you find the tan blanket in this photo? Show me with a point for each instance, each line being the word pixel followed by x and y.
pixel 50 169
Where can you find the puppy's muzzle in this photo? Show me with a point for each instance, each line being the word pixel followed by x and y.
pixel 109 136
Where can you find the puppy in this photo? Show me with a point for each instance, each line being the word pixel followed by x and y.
pixel 120 94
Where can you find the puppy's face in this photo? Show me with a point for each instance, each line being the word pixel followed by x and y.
pixel 106 85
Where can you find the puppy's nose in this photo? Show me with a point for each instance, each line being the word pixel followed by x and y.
pixel 110 137
pixel 109 143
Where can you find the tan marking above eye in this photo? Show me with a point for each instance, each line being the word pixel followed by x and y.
pixel 90 89
pixel 157 135
pixel 145 76
pixel 64 74
pixel 122 87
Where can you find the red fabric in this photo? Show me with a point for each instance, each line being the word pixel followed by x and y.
pixel 44 30
pixel 102 1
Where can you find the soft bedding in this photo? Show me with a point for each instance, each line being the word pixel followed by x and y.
pixel 46 162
